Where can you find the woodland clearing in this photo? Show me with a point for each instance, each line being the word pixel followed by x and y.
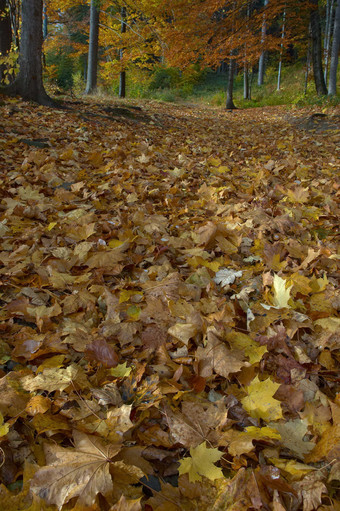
pixel 169 321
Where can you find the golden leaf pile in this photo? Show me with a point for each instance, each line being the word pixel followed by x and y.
pixel 170 310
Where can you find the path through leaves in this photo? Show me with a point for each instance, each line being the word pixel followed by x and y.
pixel 169 322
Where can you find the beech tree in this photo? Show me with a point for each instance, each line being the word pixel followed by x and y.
pixel 260 77
pixel 334 52
pixel 319 78
pixel 122 74
pixel 28 84
pixel 92 67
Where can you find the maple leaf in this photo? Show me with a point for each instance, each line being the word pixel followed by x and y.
pixel 260 403
pixel 201 463
pixel 281 294
pixel 81 472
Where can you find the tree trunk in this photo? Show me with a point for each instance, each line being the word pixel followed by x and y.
pixel 92 66
pixel 29 84
pixel 5 35
pixel 319 79
pixel 122 74
pixel 245 82
pixel 307 66
pixel 327 36
pixel 335 52
pixel 230 103
pixel 260 76
pixel 281 51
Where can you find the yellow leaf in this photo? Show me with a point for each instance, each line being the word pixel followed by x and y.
pixel 51 225
pixel 120 371
pixel 125 295
pixel 4 428
pixel 115 243
pixel 201 463
pixel 281 293
pixel 251 348
pixel 260 403
pixel 295 469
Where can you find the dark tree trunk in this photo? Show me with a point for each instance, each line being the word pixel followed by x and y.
pixel 319 79
pixel 29 84
pixel 262 58
pixel 122 74
pixel 335 52
pixel 5 35
pixel 230 103
pixel 92 66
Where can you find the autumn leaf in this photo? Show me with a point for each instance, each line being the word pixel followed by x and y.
pixel 81 472
pixel 260 403
pixel 201 463
pixel 4 428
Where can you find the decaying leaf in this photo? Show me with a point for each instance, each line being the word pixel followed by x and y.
pixel 81 472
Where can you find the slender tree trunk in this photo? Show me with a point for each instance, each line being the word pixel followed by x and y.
pixel 5 35
pixel 122 74
pixel 335 52
pixel 327 36
pixel 245 82
pixel 319 79
pixel 307 65
pixel 260 77
pixel 281 51
pixel 230 103
pixel 92 66
pixel 29 84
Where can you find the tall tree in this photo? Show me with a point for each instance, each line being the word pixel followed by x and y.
pixel 122 74
pixel 28 84
pixel 327 35
pixel 281 50
pixel 335 52
pixel 319 78
pixel 5 35
pixel 230 89
pixel 260 77
pixel 92 66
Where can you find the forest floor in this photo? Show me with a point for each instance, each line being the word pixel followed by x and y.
pixel 170 308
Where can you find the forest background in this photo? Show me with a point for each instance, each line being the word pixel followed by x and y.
pixel 266 52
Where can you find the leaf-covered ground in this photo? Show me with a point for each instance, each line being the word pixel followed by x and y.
pixel 169 320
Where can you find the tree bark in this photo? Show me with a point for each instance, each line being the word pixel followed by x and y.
pixel 327 36
pixel 29 84
pixel 230 103
pixel 334 52
pixel 281 51
pixel 122 74
pixel 5 35
pixel 245 82
pixel 260 76
pixel 319 79
pixel 92 66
